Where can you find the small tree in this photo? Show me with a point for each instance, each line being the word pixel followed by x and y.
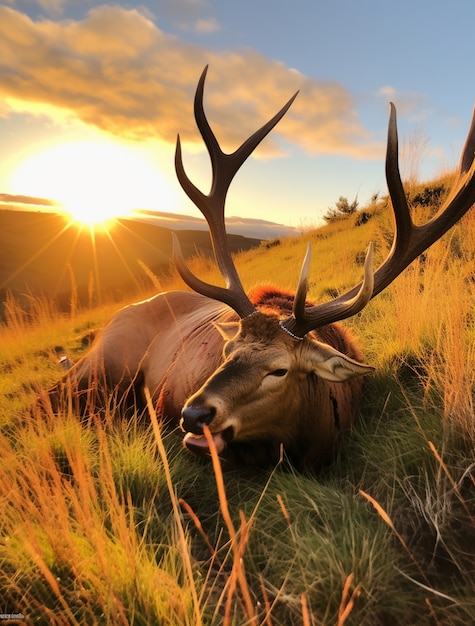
pixel 341 210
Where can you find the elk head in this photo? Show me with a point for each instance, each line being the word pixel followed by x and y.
pixel 267 355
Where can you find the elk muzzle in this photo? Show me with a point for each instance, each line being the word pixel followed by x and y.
pixel 193 419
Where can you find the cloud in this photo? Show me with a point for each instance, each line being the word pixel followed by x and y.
pixel 387 92
pixel 411 104
pixel 118 71
pixel 184 12
pixel 27 200
pixel 209 25
pixel 247 227
pixel 54 7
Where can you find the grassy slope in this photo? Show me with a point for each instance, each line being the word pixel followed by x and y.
pixel 43 253
pixel 91 529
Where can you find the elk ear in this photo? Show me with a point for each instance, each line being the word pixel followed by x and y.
pixel 335 366
pixel 227 330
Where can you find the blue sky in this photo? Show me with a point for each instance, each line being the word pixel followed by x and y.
pixel 114 83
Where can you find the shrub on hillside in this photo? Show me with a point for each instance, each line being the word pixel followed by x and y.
pixel 429 196
pixel 341 210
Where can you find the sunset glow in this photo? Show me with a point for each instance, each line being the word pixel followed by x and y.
pixel 127 72
pixel 95 181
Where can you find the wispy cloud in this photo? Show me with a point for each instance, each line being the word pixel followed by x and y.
pixel 118 71
pixel 209 25
pixel 413 105
pixel 14 199
pixel 185 13
pixel 53 7
pixel 247 227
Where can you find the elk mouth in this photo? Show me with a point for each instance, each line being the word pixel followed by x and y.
pixel 198 444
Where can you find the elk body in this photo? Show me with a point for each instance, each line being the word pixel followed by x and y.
pixel 263 370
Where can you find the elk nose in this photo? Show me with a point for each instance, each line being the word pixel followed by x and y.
pixel 193 418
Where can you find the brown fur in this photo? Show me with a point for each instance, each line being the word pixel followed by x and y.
pixel 172 345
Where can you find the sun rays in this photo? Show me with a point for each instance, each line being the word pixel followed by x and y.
pixel 90 187
pixel 96 181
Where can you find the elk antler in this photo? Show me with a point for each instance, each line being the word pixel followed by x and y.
pixel 224 168
pixel 409 240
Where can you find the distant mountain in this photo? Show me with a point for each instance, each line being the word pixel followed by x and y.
pixel 41 254
pixel 254 228
pixel 246 226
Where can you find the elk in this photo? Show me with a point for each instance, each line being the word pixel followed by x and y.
pixel 263 370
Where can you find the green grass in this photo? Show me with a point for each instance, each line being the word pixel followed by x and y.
pixel 115 524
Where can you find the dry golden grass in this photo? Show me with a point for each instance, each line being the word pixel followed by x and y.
pixel 114 524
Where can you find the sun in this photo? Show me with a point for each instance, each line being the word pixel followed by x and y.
pixel 96 181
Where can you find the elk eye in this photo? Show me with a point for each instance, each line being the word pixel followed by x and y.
pixel 279 372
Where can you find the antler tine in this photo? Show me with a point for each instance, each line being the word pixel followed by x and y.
pixel 409 240
pixel 467 158
pixel 304 319
pixel 224 168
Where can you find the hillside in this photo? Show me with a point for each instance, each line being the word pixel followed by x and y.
pixel 113 523
pixel 41 254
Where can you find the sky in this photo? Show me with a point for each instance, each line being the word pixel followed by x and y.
pixel 93 95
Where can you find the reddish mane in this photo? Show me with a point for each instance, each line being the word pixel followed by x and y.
pixel 273 297
pixel 269 298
